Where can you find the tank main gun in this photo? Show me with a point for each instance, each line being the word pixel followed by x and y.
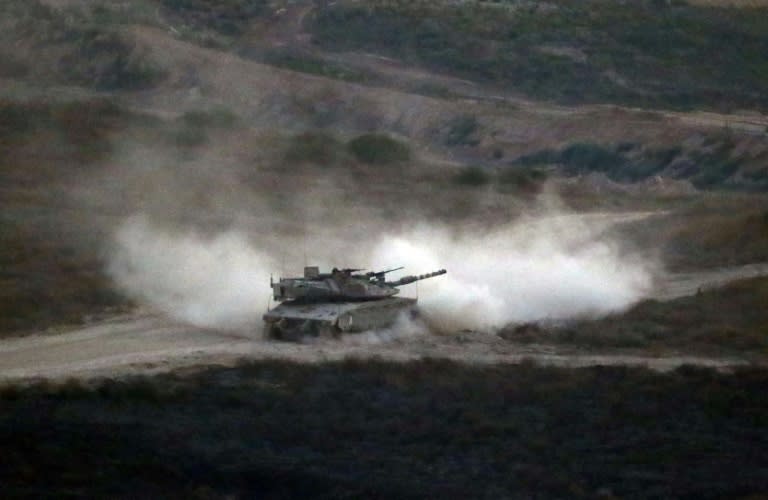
pixel 379 275
pixel 410 279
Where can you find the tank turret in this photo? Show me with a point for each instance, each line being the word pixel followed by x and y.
pixel 341 285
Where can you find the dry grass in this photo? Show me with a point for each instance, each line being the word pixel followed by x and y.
pixel 730 320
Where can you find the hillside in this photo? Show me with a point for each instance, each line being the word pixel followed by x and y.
pixel 592 174
pixel 107 109
pixel 284 66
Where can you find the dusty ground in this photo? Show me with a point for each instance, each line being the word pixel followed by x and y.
pixel 147 342
pixel 266 97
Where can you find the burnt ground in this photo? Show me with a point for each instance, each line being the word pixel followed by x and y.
pixel 378 430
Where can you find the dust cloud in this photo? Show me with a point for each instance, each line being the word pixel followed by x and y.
pixel 210 281
pixel 537 268
pixel 543 267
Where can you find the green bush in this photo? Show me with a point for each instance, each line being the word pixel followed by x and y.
pixel 109 60
pixel 472 176
pixel 378 149
pixel 460 131
pixel 588 157
pixel 522 178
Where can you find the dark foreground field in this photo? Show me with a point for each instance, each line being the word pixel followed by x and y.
pixel 377 430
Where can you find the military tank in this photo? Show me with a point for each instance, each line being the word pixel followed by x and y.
pixel 342 301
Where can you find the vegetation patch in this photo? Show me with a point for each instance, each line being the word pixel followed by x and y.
pixel 730 319
pixel 108 60
pixel 226 17
pixel 46 279
pixel 472 176
pixel 716 239
pixel 461 131
pixel 378 149
pixel 74 46
pixel 44 283
pixel 644 53
pixel 372 429
pixel 76 131
pixel 522 179
pixel 712 166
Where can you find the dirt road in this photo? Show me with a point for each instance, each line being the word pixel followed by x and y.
pixel 146 342
pixel 151 343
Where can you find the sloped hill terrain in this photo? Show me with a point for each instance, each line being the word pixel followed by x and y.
pixel 458 78
pixel 196 146
pixel 112 108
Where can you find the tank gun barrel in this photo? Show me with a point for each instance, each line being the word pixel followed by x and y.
pixel 410 279
pixel 382 273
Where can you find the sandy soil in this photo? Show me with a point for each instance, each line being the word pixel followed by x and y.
pixel 147 342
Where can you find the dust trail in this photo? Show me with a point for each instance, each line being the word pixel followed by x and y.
pixel 404 328
pixel 214 281
pixel 543 268
pixel 534 268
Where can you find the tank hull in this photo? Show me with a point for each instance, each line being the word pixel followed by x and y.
pixel 293 321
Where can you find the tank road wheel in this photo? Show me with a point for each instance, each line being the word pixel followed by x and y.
pixel 345 323
pixel 297 330
pixel 272 331
pixel 328 331
pixel 285 330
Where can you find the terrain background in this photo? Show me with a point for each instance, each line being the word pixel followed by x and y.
pixel 312 128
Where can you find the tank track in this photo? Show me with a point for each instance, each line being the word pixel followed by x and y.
pixel 296 321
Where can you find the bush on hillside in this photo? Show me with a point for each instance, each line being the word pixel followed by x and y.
pixel 378 149
pixel 472 176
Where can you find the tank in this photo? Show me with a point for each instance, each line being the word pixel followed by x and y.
pixel 341 301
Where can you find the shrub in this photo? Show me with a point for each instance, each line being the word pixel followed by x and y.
pixel 585 157
pixel 227 17
pixel 378 149
pixel 472 176
pixel 522 178
pixel 460 131
pixel 108 60
pixel 189 136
